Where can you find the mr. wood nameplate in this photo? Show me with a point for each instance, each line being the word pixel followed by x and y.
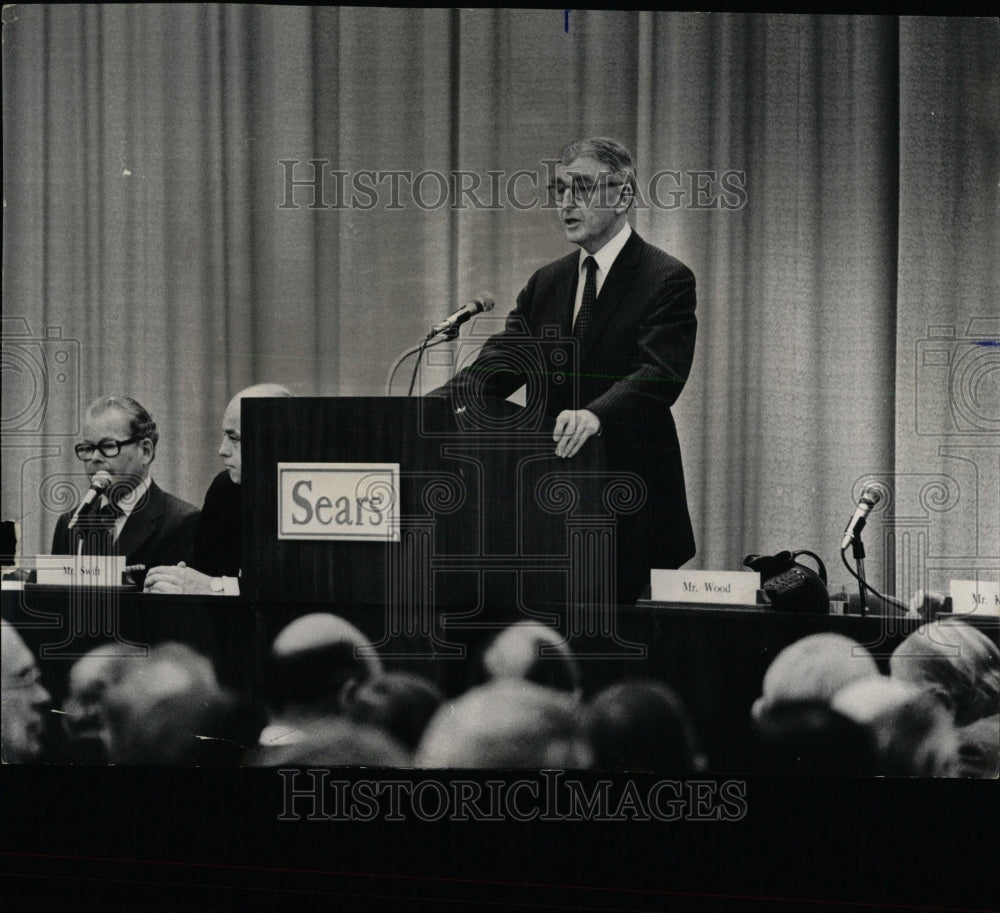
pixel 719 587
pixel 355 502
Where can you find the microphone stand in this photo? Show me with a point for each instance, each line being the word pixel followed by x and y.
pixel 427 343
pixel 858 549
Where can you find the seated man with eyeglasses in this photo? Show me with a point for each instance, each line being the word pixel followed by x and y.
pixel 145 524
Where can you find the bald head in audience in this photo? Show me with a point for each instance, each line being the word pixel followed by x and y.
pixel 533 652
pixel 315 666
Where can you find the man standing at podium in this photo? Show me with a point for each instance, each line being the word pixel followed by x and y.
pixel 629 309
pixel 144 523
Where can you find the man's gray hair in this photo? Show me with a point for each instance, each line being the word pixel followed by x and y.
pixel 609 152
pixel 140 422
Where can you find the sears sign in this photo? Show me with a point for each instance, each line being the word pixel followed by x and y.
pixel 354 502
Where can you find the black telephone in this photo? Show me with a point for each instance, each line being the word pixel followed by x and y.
pixel 790 586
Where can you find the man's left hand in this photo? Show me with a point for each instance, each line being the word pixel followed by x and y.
pixel 573 428
pixel 178 579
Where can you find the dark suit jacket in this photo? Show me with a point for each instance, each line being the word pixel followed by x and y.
pixel 216 549
pixel 628 369
pixel 158 531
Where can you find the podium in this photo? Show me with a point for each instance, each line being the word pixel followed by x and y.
pixel 492 527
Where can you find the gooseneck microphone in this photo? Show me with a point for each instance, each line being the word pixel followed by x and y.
pixel 481 303
pixel 100 482
pixel 869 498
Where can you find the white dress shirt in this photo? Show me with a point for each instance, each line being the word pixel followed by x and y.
pixel 605 258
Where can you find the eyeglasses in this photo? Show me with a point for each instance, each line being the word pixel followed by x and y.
pixel 108 448
pixel 582 190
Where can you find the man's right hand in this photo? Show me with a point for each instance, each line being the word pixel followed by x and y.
pixel 178 579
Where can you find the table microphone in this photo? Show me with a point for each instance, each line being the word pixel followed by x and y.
pixel 869 498
pixel 101 480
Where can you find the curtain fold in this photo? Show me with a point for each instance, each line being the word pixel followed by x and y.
pixel 835 195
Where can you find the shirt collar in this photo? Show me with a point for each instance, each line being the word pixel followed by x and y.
pixel 127 502
pixel 607 255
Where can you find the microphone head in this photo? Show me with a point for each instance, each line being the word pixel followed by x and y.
pixel 485 302
pixel 101 480
pixel 871 495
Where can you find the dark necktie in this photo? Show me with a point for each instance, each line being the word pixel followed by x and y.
pixel 107 516
pixel 589 297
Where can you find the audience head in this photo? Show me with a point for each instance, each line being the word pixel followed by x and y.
pixel 535 653
pixel 913 734
pixel 956 663
pixel 24 700
pixel 642 725
pixel 334 742
pixel 506 723
pixel 90 678
pixel 811 738
pixel 231 449
pixel 979 749
pixel 399 703
pixel 168 709
pixel 127 431
pixel 814 669
pixel 315 665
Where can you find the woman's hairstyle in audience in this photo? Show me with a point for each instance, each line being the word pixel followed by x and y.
pixel 642 725
pixel 399 703
pixel 506 723
pixel 954 661
pixel 814 668
pixel 913 732
pixel 337 742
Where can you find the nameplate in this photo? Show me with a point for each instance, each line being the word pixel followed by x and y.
pixel 80 570
pixel 719 587
pixel 353 502
pixel 979 596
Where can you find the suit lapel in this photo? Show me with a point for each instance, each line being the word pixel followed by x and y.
pixel 557 309
pixel 614 287
pixel 141 523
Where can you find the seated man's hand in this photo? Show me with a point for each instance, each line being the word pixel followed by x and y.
pixel 573 428
pixel 178 579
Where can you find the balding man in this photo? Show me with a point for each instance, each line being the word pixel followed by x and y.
pixel 146 525
pixel 213 567
pixel 312 672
